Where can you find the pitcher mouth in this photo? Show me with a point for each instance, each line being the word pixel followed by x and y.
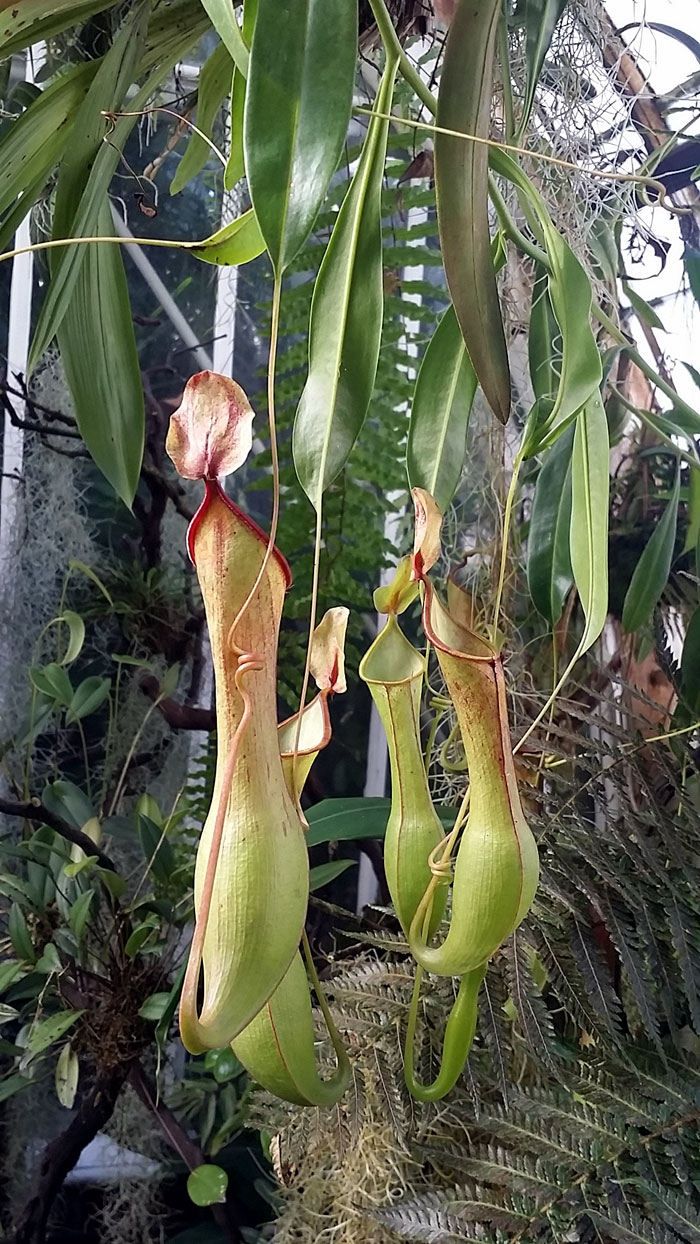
pixel 213 490
pixel 448 635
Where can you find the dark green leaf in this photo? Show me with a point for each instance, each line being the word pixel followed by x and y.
pixel 543 355
pixel 549 573
pixel 690 665
pixel 297 112
pixel 223 1064
pixel 154 1007
pixel 53 681
pixel 19 935
pixel 98 350
pixel 323 874
pixel 346 321
pixel 589 518
pixel 68 801
pixel 235 167
pixel 343 820
pixel 138 938
pixel 33 144
pixel 223 19
pixel 80 914
pixel 646 313
pixel 653 568
pixel 31 21
pixel 581 369
pixel 461 187
pixel 212 88
pixel 157 850
pixel 442 403
pixel 89 696
pixel 540 18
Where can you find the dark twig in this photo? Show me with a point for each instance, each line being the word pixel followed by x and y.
pixel 186 1149
pixel 179 716
pixel 34 810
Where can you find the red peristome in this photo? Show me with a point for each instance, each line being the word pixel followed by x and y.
pixel 212 489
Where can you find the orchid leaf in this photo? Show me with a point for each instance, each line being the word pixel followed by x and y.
pixel 442 403
pixel 297 112
pixel 540 18
pixel 461 168
pixel 346 320
pixel 223 18
pixel 549 574
pixel 235 166
pixel 589 518
pixel 654 566
pixel 323 874
pixel 27 22
pixel 581 370
pixel 213 87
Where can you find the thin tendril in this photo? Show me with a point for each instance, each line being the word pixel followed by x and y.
pixel 602 174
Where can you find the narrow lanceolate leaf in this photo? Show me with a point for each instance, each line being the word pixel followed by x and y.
pixel 549 573
pixel 580 368
pixel 86 153
pixel 590 489
pixel 297 111
pixel 213 87
pixel 33 144
pixel 653 568
pixel 223 19
pixel 540 18
pixel 346 320
pixel 544 357
pixel 235 167
pixel 29 21
pixel 98 349
pixel 442 403
pixel 461 186
pixel 690 665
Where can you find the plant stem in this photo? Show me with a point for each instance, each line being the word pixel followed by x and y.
pixel 510 500
pixel 393 47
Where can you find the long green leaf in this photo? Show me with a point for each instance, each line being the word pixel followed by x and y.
pixel 213 87
pixel 297 112
pixel 98 349
pixel 223 19
pixel 106 94
pixel 690 665
pixel 346 320
pixel 33 144
pixel 540 18
pixel 354 818
pixel 235 167
pixel 25 22
pixel 543 357
pixel 581 368
pixel 461 169
pixel 442 403
pixel 590 492
pixel 654 566
pixel 549 573
pixel 177 31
